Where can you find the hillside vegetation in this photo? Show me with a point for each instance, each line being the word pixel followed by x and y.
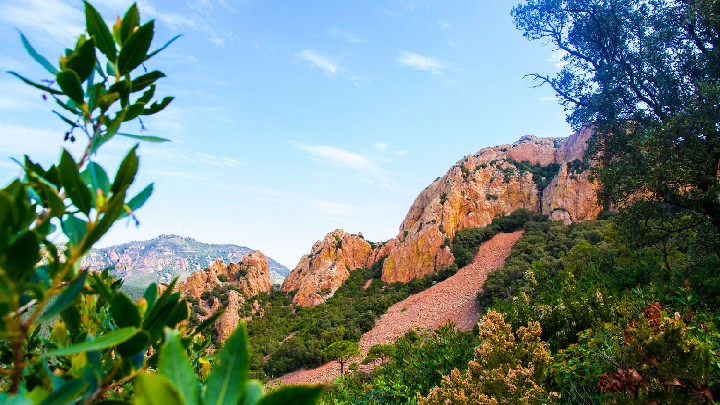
pixel 609 320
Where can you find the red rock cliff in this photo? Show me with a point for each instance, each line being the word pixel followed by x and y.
pixel 476 190
pixel 251 276
pixel 319 274
pixel 484 186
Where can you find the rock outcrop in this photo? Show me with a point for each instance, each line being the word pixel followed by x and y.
pixel 479 188
pixel 491 183
pixel 240 280
pixel 319 274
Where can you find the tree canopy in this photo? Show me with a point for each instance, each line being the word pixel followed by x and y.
pixel 646 75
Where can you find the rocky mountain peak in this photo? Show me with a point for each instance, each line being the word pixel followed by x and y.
pixel 240 281
pixel 545 175
pixel 168 256
pixel 540 174
pixel 319 274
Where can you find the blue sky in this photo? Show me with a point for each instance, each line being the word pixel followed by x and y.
pixel 294 118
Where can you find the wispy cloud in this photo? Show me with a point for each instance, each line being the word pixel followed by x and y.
pixel 175 21
pixel 320 61
pixel 17 96
pixel 219 161
pixel 356 162
pixel 59 20
pixel 37 142
pixel 381 146
pixel 346 35
pixel 333 209
pixel 420 62
pixel 178 174
pixel 341 157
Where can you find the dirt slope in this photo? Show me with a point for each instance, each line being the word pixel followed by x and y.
pixel 450 300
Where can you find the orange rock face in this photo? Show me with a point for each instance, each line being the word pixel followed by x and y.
pixel 251 276
pixel 319 274
pixel 476 190
pixel 482 187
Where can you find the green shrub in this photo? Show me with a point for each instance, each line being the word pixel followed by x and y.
pixel 467 241
pixel 68 335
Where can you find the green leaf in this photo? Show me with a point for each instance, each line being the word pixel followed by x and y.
pixel 226 381
pixel 112 127
pixel 115 206
pixel 67 120
pixel 98 70
pixel 147 96
pixel 83 60
pixel 153 389
pixel 150 296
pixel 105 101
pixel 22 255
pixel 162 48
pixel 146 138
pixel 73 184
pixel 74 228
pixel 164 311
pixel 67 106
pixel 141 82
pixel 110 67
pixel 67 393
pixel 139 200
pixel 97 176
pixel 65 298
pixel 253 392
pixel 157 107
pixel 38 58
pixel 97 28
pixel 94 93
pixel 134 111
pixel 208 322
pixel 130 20
pixel 106 341
pixel 135 345
pixel 122 87
pixel 124 311
pixel 69 82
pixel 293 395
pixel 36 85
pixel 179 313
pixel 175 365
pixel 72 318
pixel 126 173
pixel 135 48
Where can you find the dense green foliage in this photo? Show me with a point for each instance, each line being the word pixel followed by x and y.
pixel 543 244
pixel 417 364
pixel 542 175
pixel 467 241
pixel 293 336
pixel 624 322
pixel 341 351
pixel 644 75
pixel 68 335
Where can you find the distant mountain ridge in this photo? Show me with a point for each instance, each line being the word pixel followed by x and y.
pixel 168 256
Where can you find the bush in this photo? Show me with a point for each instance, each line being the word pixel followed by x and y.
pixel 467 241
pixel 68 335
pixel 508 367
